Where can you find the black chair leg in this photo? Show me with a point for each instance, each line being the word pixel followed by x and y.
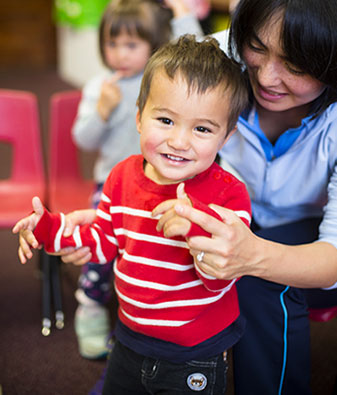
pixel 46 295
pixel 57 296
pixel 51 293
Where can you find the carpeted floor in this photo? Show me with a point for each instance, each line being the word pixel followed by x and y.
pixel 33 364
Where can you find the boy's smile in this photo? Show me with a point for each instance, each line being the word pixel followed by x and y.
pixel 181 130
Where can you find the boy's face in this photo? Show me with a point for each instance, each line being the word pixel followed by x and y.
pixel 127 54
pixel 180 131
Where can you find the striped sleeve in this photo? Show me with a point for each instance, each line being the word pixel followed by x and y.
pixel 49 232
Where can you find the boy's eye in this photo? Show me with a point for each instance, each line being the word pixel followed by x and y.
pixel 132 45
pixel 202 129
pixel 166 121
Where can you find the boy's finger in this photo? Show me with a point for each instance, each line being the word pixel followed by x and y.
pixel 37 205
pixel 22 256
pixel 27 239
pixel 163 207
pixel 181 194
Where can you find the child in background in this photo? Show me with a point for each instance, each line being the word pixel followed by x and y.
pixel 130 31
pixel 174 323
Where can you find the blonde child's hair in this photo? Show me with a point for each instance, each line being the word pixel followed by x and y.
pixel 204 66
pixel 144 18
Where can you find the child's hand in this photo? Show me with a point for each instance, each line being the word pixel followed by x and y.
pixel 25 226
pixel 110 96
pixel 178 7
pixel 200 8
pixel 170 222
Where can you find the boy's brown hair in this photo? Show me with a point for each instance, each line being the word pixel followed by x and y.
pixel 145 18
pixel 204 66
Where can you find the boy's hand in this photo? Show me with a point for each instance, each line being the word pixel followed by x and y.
pixel 170 222
pixel 26 226
pixel 110 96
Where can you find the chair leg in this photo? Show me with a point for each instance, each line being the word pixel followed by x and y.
pixel 46 294
pixel 51 292
pixel 57 295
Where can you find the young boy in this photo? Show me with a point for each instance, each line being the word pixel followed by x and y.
pixel 175 322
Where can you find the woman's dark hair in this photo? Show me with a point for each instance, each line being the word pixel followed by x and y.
pixel 146 18
pixel 308 37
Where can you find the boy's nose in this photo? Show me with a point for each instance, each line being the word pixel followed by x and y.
pixel 179 139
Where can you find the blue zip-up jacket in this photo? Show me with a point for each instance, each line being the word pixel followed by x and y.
pixel 299 183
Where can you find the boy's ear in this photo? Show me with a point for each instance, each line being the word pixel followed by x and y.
pixel 138 123
pixel 228 135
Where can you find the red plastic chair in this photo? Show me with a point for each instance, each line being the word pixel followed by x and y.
pixel 20 127
pixel 68 190
pixel 323 315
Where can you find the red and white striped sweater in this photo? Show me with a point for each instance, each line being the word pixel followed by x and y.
pixel 160 292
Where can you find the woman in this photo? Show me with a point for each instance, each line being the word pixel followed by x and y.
pixel 285 150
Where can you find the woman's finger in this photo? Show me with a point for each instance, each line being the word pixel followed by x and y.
pixel 206 221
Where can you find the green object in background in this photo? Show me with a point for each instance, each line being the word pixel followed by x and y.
pixel 79 13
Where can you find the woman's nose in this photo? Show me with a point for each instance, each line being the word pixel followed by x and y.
pixel 269 74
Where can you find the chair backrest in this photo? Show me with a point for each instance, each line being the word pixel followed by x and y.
pixel 68 189
pixel 63 154
pixel 20 127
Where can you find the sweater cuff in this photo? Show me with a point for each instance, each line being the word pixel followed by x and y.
pixel 46 229
pixel 195 229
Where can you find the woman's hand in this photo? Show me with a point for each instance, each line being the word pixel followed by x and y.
pixel 231 252
pixel 82 255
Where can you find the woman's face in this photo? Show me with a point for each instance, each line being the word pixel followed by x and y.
pixel 277 84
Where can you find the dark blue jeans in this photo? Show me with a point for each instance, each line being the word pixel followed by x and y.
pixel 129 373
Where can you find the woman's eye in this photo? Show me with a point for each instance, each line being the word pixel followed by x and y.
pixel 202 129
pixel 166 121
pixel 255 47
pixel 292 69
